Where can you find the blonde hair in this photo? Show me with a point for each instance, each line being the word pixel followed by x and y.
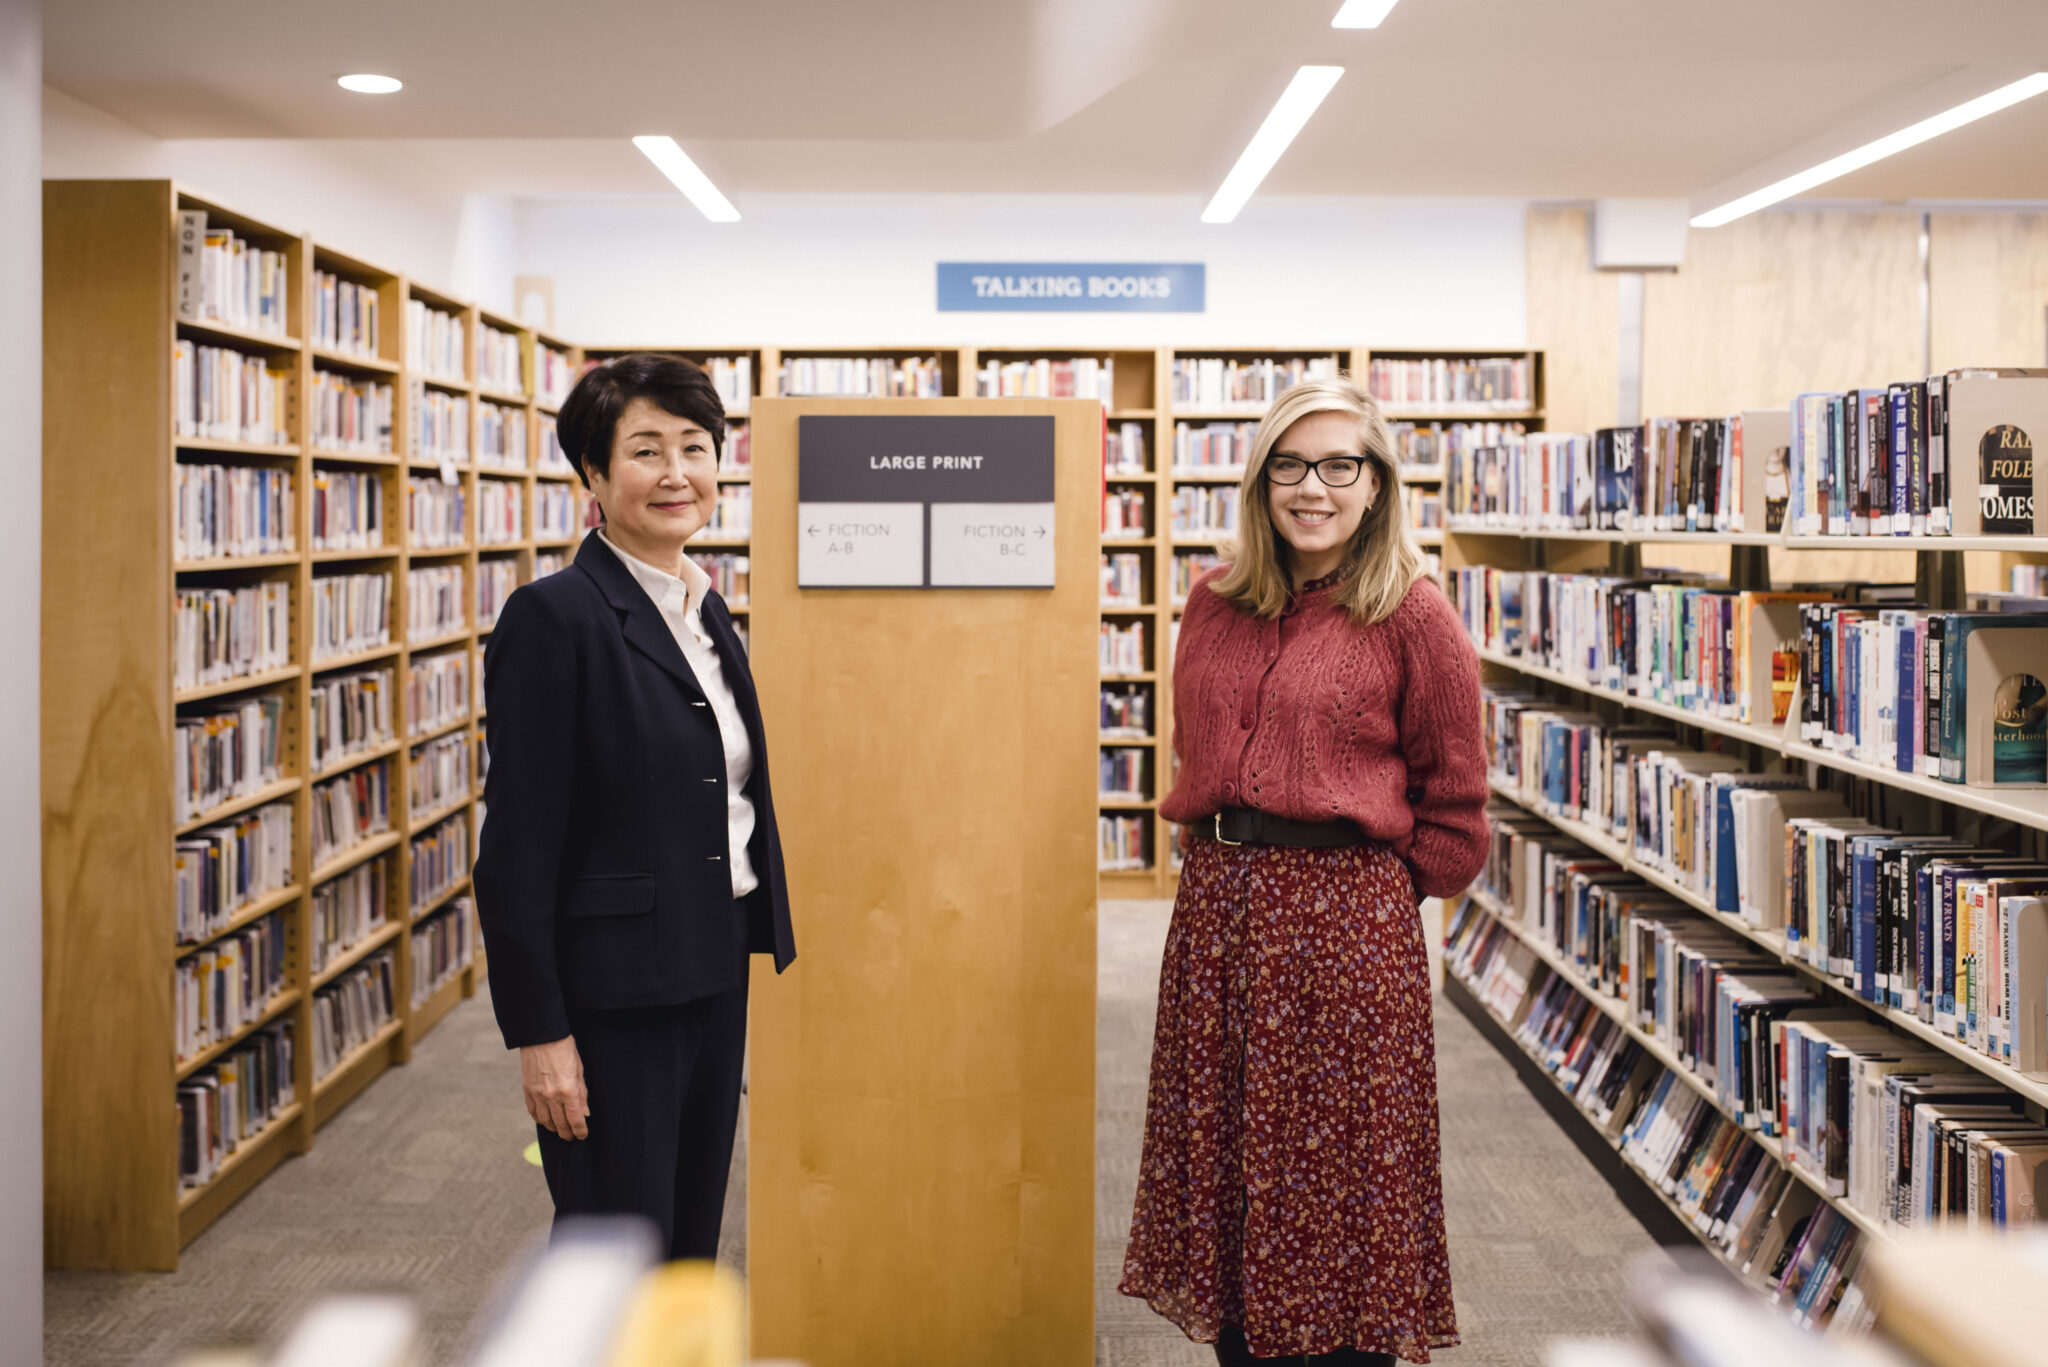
pixel 1383 560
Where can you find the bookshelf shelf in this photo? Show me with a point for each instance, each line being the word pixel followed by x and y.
pixel 451 638
pixel 1771 737
pixel 1120 741
pixel 243 684
pixel 272 1009
pixel 2036 545
pixel 233 448
pixel 1124 802
pixel 357 658
pixel 349 360
pixel 447 384
pixel 284 787
pixel 438 900
pixel 235 562
pixel 1420 474
pixel 358 952
pixel 432 733
pixel 247 916
pixel 1464 413
pixel 355 457
pixel 241 339
pixel 1208 476
pixel 264 1139
pixel 358 760
pixel 338 557
pixel 502 398
pixel 439 814
pixel 360 852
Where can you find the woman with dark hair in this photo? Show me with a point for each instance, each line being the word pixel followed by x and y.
pixel 630 862
pixel 1326 714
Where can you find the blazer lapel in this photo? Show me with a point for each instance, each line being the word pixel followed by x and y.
pixel 642 624
pixel 738 676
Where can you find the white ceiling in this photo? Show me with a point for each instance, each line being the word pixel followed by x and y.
pixel 1543 98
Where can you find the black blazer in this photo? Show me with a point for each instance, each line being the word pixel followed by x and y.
pixel 601 873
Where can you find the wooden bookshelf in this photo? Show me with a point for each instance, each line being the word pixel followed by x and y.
pixel 112 1192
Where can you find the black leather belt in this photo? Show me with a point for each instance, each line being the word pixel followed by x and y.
pixel 1249 826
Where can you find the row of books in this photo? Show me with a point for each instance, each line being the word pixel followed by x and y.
pixel 433 342
pixel 438 773
pixel 878 377
pixel 1122 772
pixel 218 635
pixel 1216 448
pixel 1123 841
pixel 442 946
pixel 225 751
pixel 440 428
pixel 434 602
pixel 219 394
pixel 350 715
pixel 496 578
pixel 554 512
pixel 220 869
pixel 500 437
pixel 1123 580
pixel 222 278
pixel 352 416
pixel 1420 446
pixel 1122 647
pixel 231 1101
pixel 348 510
pixel 500 512
pixel 1425 509
pixel 349 909
pixel 735 454
pixel 732 517
pixel 440 858
pixel 1084 377
pixel 1126 711
pixel 553 376
pixel 347 317
pixel 1124 513
pixel 349 810
pixel 437 691
pixel 546 563
pixel 1189 566
pixel 1500 382
pixel 351 613
pixel 348 1013
pixel 1219 382
pixel 1772 1229
pixel 1123 451
pixel 437 513
pixel 228 984
pixel 729 575
pixel 498 362
pixel 220 511
pixel 1206 510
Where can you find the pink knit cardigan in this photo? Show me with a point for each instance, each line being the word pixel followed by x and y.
pixel 1314 717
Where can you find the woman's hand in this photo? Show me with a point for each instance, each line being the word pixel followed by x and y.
pixel 552 1076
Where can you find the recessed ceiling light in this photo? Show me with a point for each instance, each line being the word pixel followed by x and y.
pixel 675 163
pixel 1362 13
pixel 1918 133
pixel 1296 103
pixel 366 84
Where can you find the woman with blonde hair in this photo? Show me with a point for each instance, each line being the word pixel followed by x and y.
pixel 1326 715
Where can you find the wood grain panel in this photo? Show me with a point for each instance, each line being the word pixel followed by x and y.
pixel 1988 289
pixel 1779 303
pixel 922 1099
pixel 109 1141
pixel 1574 316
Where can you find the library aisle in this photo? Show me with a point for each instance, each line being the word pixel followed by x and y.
pixel 421 1185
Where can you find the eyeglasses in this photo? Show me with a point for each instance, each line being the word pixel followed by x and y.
pixel 1336 472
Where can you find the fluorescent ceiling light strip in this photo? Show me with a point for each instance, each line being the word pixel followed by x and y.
pixel 1920 132
pixel 1296 103
pixel 1362 13
pixel 675 163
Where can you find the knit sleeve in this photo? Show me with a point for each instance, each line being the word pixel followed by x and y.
pixel 1441 740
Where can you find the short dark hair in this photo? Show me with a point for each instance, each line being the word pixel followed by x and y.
pixel 590 415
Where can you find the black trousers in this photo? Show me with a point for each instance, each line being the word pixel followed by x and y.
pixel 664 1086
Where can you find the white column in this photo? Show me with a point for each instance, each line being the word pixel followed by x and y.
pixel 21 556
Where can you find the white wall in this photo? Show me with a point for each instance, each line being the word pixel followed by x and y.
pixel 21 558
pixel 367 199
pixel 852 270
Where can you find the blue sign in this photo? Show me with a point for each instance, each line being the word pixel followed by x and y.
pixel 1072 286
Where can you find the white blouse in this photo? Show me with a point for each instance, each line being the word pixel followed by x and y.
pixel 682 606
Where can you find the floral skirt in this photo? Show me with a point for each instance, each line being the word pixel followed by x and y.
pixel 1289 1183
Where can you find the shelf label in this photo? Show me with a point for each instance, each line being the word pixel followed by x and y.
pixel 860 545
pixel 1072 286
pixel 938 501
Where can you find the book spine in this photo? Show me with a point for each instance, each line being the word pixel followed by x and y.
pixel 1939 515
pixel 1954 700
pixel 1931 733
pixel 1916 456
pixel 1901 468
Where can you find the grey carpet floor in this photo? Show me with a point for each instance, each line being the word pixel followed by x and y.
pixel 419 1185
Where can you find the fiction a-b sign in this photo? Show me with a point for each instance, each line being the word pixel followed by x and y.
pixel 933 502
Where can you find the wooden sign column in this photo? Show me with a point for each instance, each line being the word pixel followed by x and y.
pixel 921 1113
